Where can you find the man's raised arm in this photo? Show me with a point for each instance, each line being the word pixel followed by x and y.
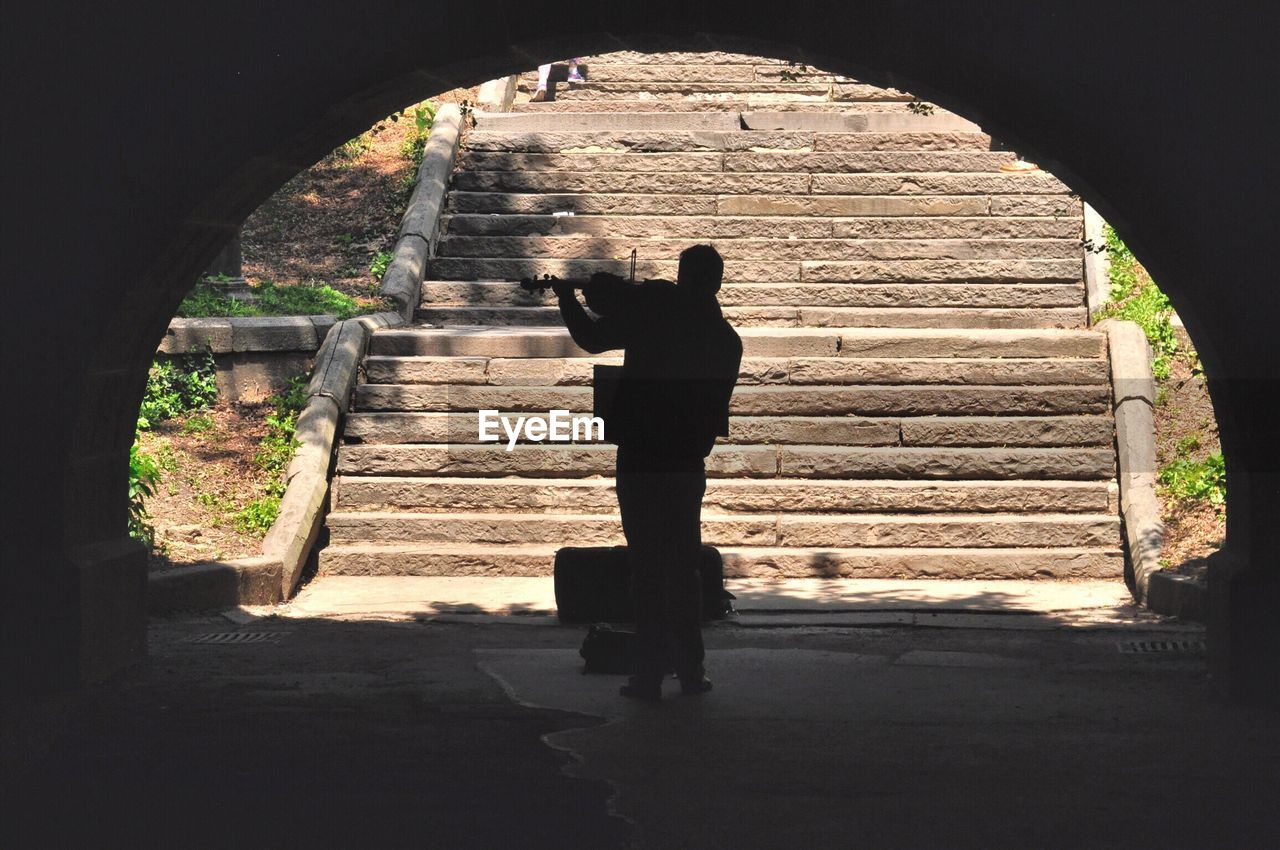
pixel 605 294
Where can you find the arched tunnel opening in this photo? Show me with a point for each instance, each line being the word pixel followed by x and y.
pixel 160 218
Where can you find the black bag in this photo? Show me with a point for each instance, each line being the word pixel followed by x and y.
pixel 608 650
pixel 593 585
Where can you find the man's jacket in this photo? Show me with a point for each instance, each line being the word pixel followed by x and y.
pixel 680 363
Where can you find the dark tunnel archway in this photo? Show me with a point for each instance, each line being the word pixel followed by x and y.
pixel 189 141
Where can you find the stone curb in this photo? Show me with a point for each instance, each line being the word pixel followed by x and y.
pixel 237 335
pixel 215 585
pixel 498 95
pixel 1097 264
pixel 403 280
pixel 291 537
pixel 1133 388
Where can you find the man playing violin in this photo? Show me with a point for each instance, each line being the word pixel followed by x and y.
pixel 680 364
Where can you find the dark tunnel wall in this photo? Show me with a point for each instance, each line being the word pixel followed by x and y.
pixel 138 136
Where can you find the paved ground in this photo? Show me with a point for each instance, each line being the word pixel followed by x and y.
pixel 430 734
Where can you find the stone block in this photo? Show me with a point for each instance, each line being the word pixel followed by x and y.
pixel 273 333
pixel 187 335
pixel 215 586
pixel 426 370
pixel 850 205
pixel 958 463
pixel 338 362
pixel 548 203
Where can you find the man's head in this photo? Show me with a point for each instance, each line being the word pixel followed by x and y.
pixel 701 269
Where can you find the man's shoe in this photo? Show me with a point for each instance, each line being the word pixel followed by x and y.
pixel 575 76
pixel 538 96
pixel 691 687
pixel 642 689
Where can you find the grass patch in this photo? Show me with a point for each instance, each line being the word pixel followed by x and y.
pixel 207 300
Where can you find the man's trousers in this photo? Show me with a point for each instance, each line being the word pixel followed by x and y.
pixel 660 499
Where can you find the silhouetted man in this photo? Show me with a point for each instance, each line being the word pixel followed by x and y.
pixel 681 363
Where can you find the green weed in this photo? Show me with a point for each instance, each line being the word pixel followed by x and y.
pixel 1196 480
pixel 144 475
pixel 177 386
pixel 381 260
pixel 1135 297
pixel 197 424
pixel 424 115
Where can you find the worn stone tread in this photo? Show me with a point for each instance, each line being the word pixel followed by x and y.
pixel 742 562
pixel 773 227
pixel 578 371
pixel 761 400
pixel 727 495
pixel 757 529
pixel 763 342
pixel 561 460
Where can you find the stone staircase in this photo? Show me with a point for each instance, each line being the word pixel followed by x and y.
pixel 920 394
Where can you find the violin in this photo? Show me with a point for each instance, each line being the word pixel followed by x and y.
pixel 542 284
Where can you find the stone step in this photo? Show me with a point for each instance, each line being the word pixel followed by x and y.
pixel 1068 270
pixel 762 71
pixel 742 73
pixel 762 342
pixel 567 460
pixel 766 400
pixel 823 206
pixel 1002 295
pixel 675 58
pixel 771 227
pixel 758 182
pixel 874 162
pixel 895 118
pixel 794 317
pixel 654 141
pixel 577 371
pixel 636 119
pixel 739 103
pixel 728 495
pixel 617 88
pixel 462 428
pixel 740 561
pixel 982 531
pixel 604 247
pixel 822 118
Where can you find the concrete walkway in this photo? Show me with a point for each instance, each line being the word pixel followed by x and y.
pixel 959 604
pixel 316 731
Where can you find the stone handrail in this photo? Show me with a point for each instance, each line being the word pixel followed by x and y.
pixel 402 282
pixel 1134 398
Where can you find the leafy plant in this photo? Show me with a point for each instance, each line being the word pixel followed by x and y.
pixel 177 386
pixel 424 115
pixel 1197 480
pixel 144 475
pixel 381 260
pixel 351 150
pixel 919 107
pixel 257 516
pixel 275 451
pixel 197 424
pixel 1135 297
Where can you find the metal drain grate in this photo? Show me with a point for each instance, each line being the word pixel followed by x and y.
pixel 1146 647
pixel 239 637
